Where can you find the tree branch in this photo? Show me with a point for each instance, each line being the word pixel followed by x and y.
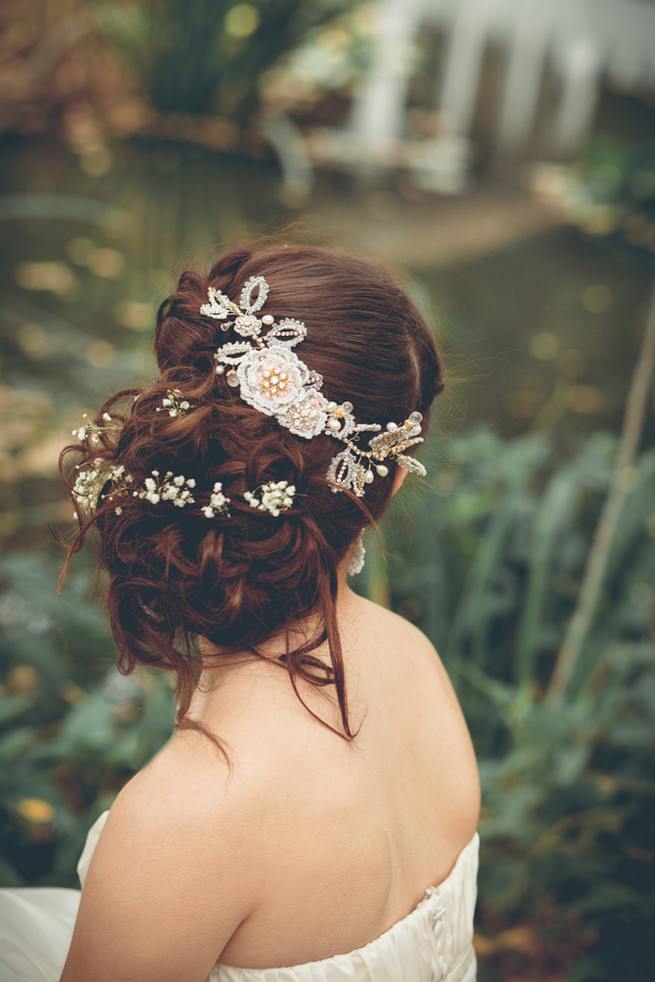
pixel 592 582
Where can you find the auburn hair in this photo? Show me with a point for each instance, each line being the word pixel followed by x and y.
pixel 173 575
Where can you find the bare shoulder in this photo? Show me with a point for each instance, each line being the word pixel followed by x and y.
pixel 188 785
pixel 185 815
pixel 408 664
pixel 397 633
pixel 173 843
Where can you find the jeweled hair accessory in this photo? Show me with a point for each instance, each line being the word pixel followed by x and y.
pixel 272 379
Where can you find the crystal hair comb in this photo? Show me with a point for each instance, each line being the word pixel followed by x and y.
pixel 272 379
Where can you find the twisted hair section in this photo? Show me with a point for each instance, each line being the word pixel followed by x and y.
pixel 243 576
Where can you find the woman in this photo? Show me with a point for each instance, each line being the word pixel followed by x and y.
pixel 321 776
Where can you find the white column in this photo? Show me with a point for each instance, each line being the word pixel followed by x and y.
pixel 581 75
pixel 529 42
pixel 458 89
pixel 378 115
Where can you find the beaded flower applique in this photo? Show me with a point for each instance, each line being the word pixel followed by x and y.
pixel 273 379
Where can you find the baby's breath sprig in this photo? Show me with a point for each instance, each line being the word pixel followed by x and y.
pixel 85 489
pixel 218 502
pixel 122 485
pixel 174 404
pixel 273 497
pixel 89 483
pixel 175 488
pixel 93 430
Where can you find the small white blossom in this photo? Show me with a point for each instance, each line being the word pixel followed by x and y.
pixel 89 483
pixel 274 497
pixel 171 488
pixel 173 404
pixel 92 431
pixel 218 502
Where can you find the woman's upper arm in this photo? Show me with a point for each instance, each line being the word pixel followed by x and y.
pixel 167 887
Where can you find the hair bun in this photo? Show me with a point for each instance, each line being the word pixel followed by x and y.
pixel 238 579
pixel 183 337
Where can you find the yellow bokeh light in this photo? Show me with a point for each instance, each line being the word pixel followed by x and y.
pixel 96 161
pixel 242 20
pixel 585 399
pixel 79 250
pixel 133 314
pixel 596 298
pixel 571 363
pixel 107 263
pixel 22 678
pixel 544 346
pixel 100 354
pixel 55 276
pixel 36 810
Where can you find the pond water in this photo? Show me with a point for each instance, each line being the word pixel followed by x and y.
pixel 540 332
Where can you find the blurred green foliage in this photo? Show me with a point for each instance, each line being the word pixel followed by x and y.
pixel 490 568
pixel 492 571
pixel 73 729
pixel 210 54
pixel 610 191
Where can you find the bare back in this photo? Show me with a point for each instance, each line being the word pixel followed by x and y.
pixel 347 836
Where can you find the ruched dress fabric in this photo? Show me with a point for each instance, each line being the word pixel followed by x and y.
pixel 434 943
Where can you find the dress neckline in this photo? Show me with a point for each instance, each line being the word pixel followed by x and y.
pixel 432 894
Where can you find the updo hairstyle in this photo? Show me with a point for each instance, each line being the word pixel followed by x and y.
pixel 174 575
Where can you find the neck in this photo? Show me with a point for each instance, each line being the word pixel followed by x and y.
pixel 274 648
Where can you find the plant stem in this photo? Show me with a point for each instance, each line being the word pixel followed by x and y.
pixel 590 589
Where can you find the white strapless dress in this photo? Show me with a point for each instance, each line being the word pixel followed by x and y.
pixel 433 943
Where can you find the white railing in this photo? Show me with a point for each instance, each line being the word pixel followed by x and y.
pixel 581 42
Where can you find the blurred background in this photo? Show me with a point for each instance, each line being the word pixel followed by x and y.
pixel 500 156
